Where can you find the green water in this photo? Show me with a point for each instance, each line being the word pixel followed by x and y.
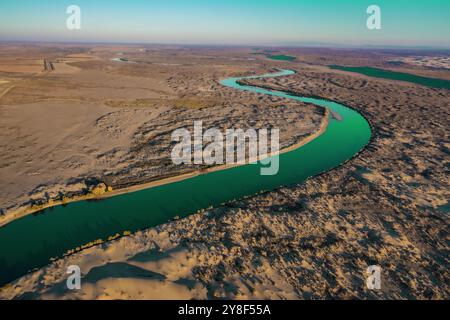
pixel 392 75
pixel 281 57
pixel 31 241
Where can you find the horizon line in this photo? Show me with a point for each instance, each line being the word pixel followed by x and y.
pixel 311 44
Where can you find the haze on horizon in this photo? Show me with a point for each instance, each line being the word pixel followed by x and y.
pixel 230 22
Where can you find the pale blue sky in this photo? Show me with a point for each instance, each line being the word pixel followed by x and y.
pixel 247 22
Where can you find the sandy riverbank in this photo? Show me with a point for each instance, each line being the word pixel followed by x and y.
pixel 22 212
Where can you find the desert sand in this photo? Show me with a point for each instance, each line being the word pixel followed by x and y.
pixel 310 241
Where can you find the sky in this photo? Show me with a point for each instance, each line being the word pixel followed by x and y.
pixel 230 22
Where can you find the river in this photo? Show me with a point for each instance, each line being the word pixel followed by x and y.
pixel 30 242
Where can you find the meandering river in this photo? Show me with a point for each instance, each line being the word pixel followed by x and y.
pixel 30 242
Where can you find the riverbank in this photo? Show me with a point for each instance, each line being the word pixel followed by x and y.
pixel 22 212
